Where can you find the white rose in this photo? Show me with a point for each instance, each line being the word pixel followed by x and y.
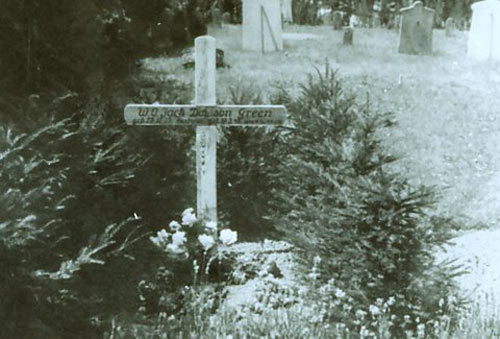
pixel 211 225
pixel 174 249
pixel 174 226
pixel 188 219
pixel 189 210
pixel 228 237
pixel 206 241
pixel 178 238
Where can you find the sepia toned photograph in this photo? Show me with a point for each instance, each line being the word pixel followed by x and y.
pixel 239 169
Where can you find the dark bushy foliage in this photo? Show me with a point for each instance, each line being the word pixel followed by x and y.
pixel 247 160
pixel 337 199
pixel 72 180
pixel 72 175
pixel 61 45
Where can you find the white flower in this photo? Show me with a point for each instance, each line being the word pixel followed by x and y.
pixel 160 239
pixel 174 226
pixel 228 237
pixel 374 310
pixel 188 219
pixel 339 293
pixel 206 241
pixel 211 225
pixel 174 249
pixel 155 241
pixel 178 238
pixel 189 210
pixel 163 235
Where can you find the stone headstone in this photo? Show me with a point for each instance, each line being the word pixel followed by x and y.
pixel 226 18
pixel 348 34
pixel 375 20
pixel 286 10
pixel 415 36
pixel 327 19
pixel 188 56
pixel 484 35
pixel 449 26
pixel 354 21
pixel 262 25
pixel 397 22
pixel 216 15
pixel 337 20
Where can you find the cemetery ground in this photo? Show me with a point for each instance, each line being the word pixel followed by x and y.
pixel 445 115
pixel 445 106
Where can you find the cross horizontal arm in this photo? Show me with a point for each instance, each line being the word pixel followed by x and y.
pixel 142 114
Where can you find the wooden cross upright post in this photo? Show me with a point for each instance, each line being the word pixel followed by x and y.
pixel 206 115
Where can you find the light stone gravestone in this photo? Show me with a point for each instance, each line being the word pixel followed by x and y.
pixel 286 10
pixel 415 35
pixel 216 15
pixel 348 33
pixel 337 20
pixel 449 27
pixel 397 21
pixel 226 18
pixel 206 115
pixel 376 20
pixel 262 25
pixel 484 35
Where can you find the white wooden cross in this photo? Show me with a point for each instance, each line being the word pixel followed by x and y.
pixel 206 115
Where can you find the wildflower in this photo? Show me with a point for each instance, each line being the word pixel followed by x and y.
pixel 160 239
pixel 189 210
pixel 360 314
pixel 406 317
pixel 188 219
pixel 196 267
pixel 317 260
pixel 228 237
pixel 421 331
pixel 339 293
pixel 174 226
pixel 174 249
pixel 211 225
pixel 374 310
pixel 441 303
pixel 391 301
pixel 206 241
pixel 313 275
pixel 178 238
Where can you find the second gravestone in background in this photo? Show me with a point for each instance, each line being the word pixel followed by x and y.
pixel 286 10
pixel 484 35
pixel 416 29
pixel 262 25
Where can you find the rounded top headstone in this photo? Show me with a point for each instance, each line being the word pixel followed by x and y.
pixel 486 5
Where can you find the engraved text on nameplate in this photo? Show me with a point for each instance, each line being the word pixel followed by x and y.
pixel 137 114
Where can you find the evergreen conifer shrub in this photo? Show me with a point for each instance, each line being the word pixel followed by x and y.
pixel 336 197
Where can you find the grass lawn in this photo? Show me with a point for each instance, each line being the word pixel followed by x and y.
pixel 446 106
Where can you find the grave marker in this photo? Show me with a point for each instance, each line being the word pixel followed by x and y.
pixel 337 20
pixel 484 35
pixel 415 36
pixel 216 15
pixel 449 26
pixel 348 33
pixel 205 114
pixel 286 10
pixel 262 25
